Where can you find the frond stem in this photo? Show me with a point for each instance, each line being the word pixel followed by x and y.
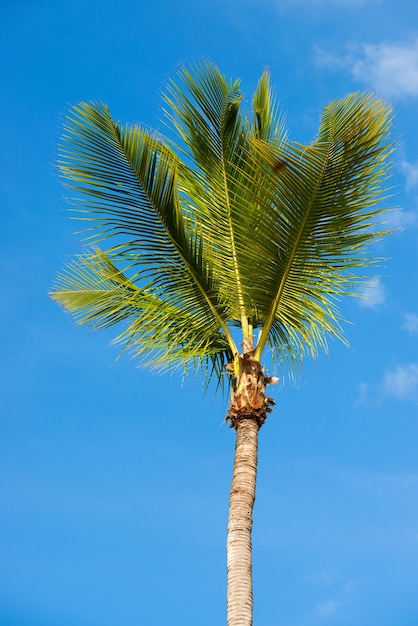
pixel 244 318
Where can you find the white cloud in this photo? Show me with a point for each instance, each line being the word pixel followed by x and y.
pixel 373 294
pixel 349 587
pixel 363 396
pixel 402 381
pixel 410 323
pixel 410 170
pixel 400 219
pixel 389 69
pixel 328 608
pixel 334 605
pixel 324 578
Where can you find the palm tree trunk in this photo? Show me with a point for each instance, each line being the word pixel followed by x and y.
pixel 239 548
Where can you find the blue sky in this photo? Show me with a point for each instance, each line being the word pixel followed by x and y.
pixel 114 481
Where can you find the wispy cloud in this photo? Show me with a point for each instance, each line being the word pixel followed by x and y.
pixel 372 294
pixel 410 170
pixel 410 323
pixel 328 608
pixel 389 69
pixel 400 219
pixel 333 606
pixel 402 382
pixel 363 395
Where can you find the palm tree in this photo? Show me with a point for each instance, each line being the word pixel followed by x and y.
pixel 228 242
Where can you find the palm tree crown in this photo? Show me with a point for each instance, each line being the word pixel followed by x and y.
pixel 235 226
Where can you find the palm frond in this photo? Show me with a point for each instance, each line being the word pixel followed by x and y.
pixel 205 110
pixel 268 124
pixel 128 179
pixel 327 196
pixel 98 294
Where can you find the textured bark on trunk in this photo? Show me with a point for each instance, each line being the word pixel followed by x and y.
pixel 239 547
pixel 247 412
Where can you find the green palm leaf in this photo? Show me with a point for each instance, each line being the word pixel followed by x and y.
pixel 98 294
pixel 327 224
pixel 237 226
pixel 128 181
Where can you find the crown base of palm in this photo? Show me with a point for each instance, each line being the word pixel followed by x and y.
pixel 248 397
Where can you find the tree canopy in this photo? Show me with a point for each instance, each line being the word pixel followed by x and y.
pixel 231 225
